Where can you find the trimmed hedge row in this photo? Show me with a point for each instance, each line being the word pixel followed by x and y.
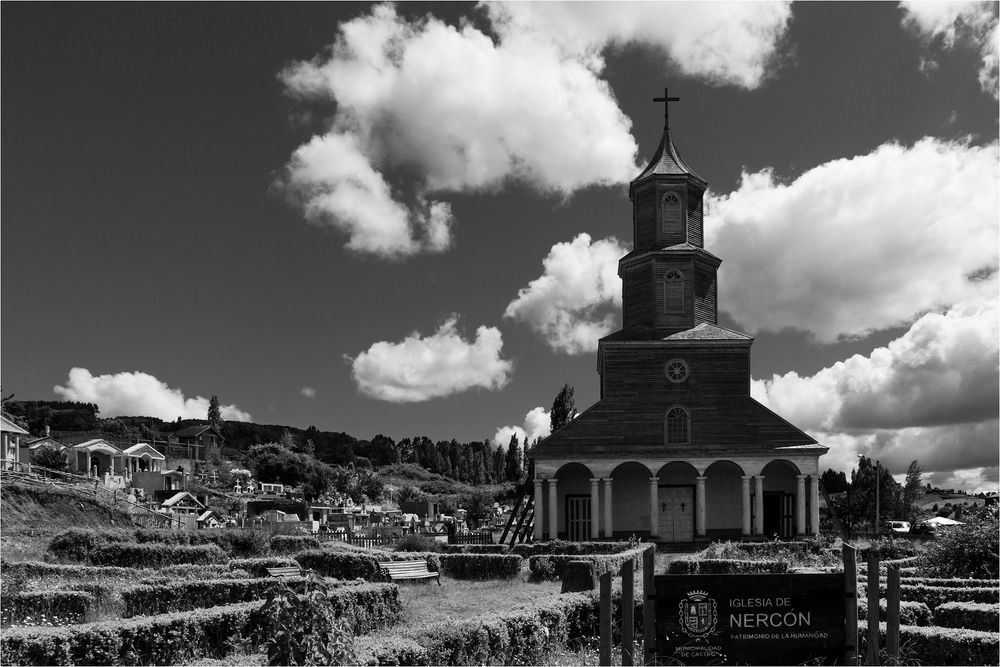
pixel 152 600
pixel 475 548
pixel 257 567
pixel 727 566
pixel 553 566
pixel 561 548
pixel 75 544
pixel 941 646
pixel 933 596
pixel 34 569
pixel 910 613
pixel 480 566
pixel 154 555
pixel 369 607
pixel 970 615
pixel 289 544
pixel 60 607
pixel 169 639
pixel 358 565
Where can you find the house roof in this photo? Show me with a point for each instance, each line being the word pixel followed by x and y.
pixel 179 497
pixel 196 430
pixel 98 445
pixel 143 448
pixel 7 425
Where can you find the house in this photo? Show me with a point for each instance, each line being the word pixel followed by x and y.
pixel 183 503
pixel 675 450
pixel 29 446
pixel 10 441
pixel 201 442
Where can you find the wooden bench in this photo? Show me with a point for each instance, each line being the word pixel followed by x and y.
pixel 408 569
pixel 286 572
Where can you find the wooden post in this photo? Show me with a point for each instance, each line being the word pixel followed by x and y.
pixel 892 614
pixel 628 612
pixel 873 611
pixel 850 604
pixel 648 606
pixel 605 620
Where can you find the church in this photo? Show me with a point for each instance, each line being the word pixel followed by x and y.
pixel 675 450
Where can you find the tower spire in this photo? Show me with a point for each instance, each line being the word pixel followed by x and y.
pixel 666 99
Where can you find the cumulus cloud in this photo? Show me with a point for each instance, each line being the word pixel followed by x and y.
pixel 138 394
pixel 446 109
pixel 953 24
pixel 577 298
pixel 858 244
pixel 537 424
pixel 424 367
pixel 308 392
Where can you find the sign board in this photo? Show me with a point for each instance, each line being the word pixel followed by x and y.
pixel 749 619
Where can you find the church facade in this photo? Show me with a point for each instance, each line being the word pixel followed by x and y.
pixel 675 450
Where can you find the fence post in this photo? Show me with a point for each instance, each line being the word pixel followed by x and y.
pixel 628 612
pixel 892 614
pixel 850 604
pixel 873 610
pixel 648 606
pixel 605 620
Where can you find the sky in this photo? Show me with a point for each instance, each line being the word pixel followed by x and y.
pixel 406 219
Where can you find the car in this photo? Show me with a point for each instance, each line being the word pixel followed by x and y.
pixel 898 526
pixel 923 528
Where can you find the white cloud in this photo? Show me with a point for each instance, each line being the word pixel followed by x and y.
pixel 138 394
pixel 577 298
pixel 448 109
pixel 308 392
pixel 858 244
pixel 955 23
pixel 421 368
pixel 537 424
pixel 721 42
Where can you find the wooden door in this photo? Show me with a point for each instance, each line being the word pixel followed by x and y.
pixel 676 505
pixel 578 518
pixel 779 514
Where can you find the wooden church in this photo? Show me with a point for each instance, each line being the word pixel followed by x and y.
pixel 675 450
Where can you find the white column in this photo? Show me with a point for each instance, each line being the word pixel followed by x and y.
pixel 553 510
pixel 595 508
pixel 814 500
pixel 746 504
pixel 699 503
pixel 608 527
pixel 758 505
pixel 800 504
pixel 654 488
pixel 539 501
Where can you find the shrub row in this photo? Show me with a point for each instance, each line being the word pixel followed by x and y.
pixel 941 646
pixel 947 583
pixel 934 596
pixel 257 567
pixel 970 615
pixel 169 639
pixel 475 548
pixel 727 566
pixel 151 555
pixel 887 548
pixel 774 548
pixel 481 566
pixel 561 548
pixel 553 566
pixel 59 607
pixel 369 607
pixel 910 613
pixel 34 569
pixel 151 600
pixel 75 544
pixel 289 544
pixel 359 565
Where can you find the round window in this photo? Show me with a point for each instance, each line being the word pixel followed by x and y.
pixel 676 370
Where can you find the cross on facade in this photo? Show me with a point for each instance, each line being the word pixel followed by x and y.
pixel 666 99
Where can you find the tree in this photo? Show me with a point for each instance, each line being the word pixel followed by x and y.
pixel 512 460
pixel 912 491
pixel 563 409
pixel 215 413
pixel 863 482
pixel 49 457
pixel 834 482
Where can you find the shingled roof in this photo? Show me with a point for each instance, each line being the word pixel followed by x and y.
pixel 667 161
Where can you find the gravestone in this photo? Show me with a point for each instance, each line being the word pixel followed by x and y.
pixel 578 577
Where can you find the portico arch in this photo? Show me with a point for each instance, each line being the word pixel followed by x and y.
pixel 723 500
pixel 779 504
pixel 574 510
pixel 630 499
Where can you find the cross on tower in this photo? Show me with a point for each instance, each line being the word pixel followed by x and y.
pixel 666 99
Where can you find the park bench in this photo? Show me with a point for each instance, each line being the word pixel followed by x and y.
pixel 408 569
pixel 286 572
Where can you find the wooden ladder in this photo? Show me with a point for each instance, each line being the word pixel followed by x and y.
pixel 523 513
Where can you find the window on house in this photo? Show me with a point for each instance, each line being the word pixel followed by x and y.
pixel 677 426
pixel 673 293
pixel 671 214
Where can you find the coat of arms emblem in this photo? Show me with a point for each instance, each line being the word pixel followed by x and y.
pixel 697 614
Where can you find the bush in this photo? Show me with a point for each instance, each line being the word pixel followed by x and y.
pixel 553 566
pixel 969 550
pixel 727 566
pixel 155 555
pixel 76 544
pixel 970 615
pixel 303 628
pixel 30 568
pixel 417 542
pixel 481 566
pixel 150 600
pixel 561 548
pixel 257 567
pixel 47 608
pixel 169 639
pixel 941 646
pixel 889 548
pixel 242 543
pixel 474 548
pixel 288 544
pixel 933 596
pixel 340 565
pixel 910 613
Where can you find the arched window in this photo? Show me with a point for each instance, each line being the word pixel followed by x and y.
pixel 677 426
pixel 671 214
pixel 673 293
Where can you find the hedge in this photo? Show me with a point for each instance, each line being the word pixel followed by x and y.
pixel 339 564
pixel 480 566
pixel 910 613
pixel 169 639
pixel 369 607
pixel 727 566
pixel 257 567
pixel 970 615
pixel 59 607
pixel 151 600
pixel 475 548
pixel 76 544
pixel 561 548
pixel 155 555
pixel 941 646
pixel 934 596
pixel 103 572
pixel 288 544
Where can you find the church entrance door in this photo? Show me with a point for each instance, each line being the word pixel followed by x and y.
pixel 578 518
pixel 676 514
pixel 779 514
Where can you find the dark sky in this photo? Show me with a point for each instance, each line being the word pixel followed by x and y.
pixel 144 229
